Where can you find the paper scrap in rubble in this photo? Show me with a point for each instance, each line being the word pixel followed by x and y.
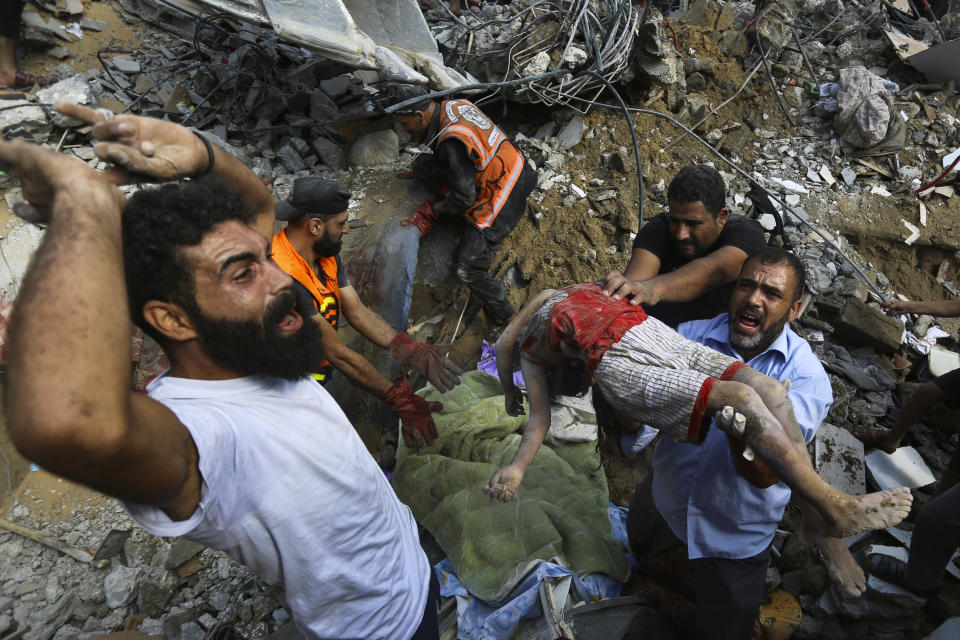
pixel 74 29
pixel 949 158
pixel 946 191
pixel 914 233
pixel 902 468
pixel 923 214
pixel 880 190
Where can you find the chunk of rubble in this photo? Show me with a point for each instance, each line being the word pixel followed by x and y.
pixel 863 324
pixel 76 90
pixel 902 468
pixel 839 459
pixel 23 119
pixel 767 221
pixel 379 147
pixel 827 176
pixel 120 585
pixel 571 133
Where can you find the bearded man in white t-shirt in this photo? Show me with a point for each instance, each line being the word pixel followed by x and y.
pixel 235 446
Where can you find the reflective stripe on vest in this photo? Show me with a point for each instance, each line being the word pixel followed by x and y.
pixel 498 165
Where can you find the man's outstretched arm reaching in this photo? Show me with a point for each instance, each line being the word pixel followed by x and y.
pixel 92 429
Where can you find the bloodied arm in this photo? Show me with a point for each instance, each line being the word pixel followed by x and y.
pixel 505 481
pixel 416 422
pixel 506 346
pixel 69 404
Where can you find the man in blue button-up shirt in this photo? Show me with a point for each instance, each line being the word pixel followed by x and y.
pixel 709 495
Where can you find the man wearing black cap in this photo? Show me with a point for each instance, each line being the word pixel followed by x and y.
pixel 474 173
pixel 308 249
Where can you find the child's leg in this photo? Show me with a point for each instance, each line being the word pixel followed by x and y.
pixel 843 514
pixel 840 564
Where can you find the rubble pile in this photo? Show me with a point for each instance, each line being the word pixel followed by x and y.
pixel 807 99
pixel 172 588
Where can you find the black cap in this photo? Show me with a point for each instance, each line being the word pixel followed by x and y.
pixel 315 196
pixel 402 92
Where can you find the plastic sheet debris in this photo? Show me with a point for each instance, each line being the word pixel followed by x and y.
pixel 479 620
pixel 902 468
pixel 390 36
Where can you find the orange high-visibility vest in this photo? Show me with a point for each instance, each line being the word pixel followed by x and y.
pixel 325 291
pixel 497 161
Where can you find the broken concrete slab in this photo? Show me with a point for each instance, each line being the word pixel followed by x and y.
pixel 379 147
pixel 182 551
pixel 24 119
pixel 571 133
pixel 51 29
pixel 76 90
pixel 862 324
pixel 330 153
pixel 903 468
pixel 120 585
pixel 839 459
pixel 126 65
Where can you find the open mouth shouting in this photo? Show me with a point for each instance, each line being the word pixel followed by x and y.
pixel 748 322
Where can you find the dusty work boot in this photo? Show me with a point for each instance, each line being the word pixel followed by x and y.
pixel 894 571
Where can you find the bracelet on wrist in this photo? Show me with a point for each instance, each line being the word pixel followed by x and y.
pixel 210 156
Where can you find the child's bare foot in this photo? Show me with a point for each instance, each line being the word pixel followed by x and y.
pixel 843 569
pixel 880 510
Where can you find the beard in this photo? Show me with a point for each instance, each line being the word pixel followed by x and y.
pixel 323 246
pixel 760 340
pixel 258 348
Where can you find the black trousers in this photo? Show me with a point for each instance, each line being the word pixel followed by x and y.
pixel 727 592
pixel 429 628
pixel 10 11
pixel 477 248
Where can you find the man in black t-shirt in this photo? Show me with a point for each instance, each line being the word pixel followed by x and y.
pixel 685 261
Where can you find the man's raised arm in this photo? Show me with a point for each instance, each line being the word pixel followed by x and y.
pixel 69 404
pixel 151 148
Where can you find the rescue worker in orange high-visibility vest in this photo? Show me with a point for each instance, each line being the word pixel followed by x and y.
pixel 474 173
pixel 309 250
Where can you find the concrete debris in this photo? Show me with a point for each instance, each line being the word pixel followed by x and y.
pixel 76 90
pixel 862 324
pixel 379 147
pixel 25 120
pixel 120 585
pixel 839 459
pixel 864 107
pixel 571 133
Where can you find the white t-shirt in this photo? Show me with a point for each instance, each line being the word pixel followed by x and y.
pixel 291 492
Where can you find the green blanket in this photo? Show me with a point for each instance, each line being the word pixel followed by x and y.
pixel 559 512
